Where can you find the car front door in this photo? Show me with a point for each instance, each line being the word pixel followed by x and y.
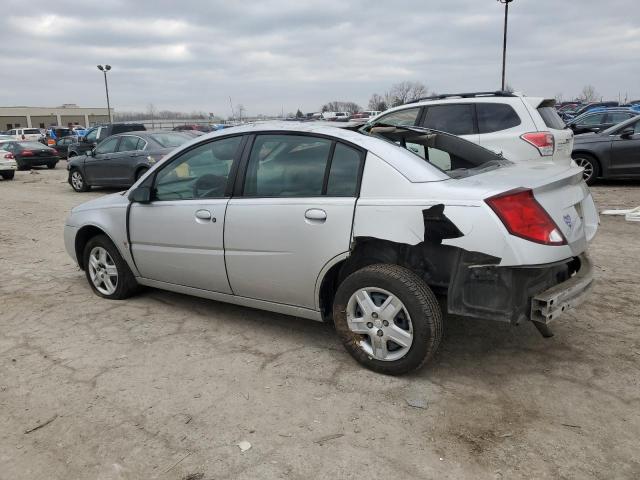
pixel 97 166
pixel 292 214
pixel 124 160
pixel 625 152
pixel 177 238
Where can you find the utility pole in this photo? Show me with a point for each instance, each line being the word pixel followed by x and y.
pixel 104 70
pixel 504 42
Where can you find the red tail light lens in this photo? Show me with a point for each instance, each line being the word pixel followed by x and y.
pixel 9 155
pixel 26 153
pixel 524 217
pixel 543 141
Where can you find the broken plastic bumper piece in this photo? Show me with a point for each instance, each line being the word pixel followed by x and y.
pixel 550 304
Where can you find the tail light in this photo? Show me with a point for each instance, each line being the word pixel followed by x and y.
pixel 26 153
pixel 9 155
pixel 524 217
pixel 543 141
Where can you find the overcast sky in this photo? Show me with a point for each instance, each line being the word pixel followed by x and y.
pixel 273 54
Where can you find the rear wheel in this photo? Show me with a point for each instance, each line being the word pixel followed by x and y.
pixel 388 319
pixel 22 165
pixel 8 175
pixel 78 182
pixel 590 165
pixel 108 274
pixel 51 165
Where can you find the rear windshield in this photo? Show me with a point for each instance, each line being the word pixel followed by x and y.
pixel 455 156
pixel 551 117
pixel 127 128
pixel 32 145
pixel 170 139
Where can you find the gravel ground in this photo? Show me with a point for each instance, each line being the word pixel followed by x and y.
pixel 165 386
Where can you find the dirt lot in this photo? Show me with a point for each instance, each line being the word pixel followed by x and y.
pixel 166 386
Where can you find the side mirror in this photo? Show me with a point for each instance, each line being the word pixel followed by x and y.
pixel 142 194
pixel 627 132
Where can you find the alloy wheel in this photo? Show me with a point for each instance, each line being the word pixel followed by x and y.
pixel 382 321
pixel 76 180
pixel 588 168
pixel 103 271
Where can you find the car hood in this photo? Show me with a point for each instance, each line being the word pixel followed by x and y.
pixel 114 200
pixel 590 138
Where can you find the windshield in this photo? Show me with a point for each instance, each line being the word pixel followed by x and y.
pixel 453 155
pixel 172 139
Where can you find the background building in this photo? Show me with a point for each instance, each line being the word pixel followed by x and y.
pixel 43 117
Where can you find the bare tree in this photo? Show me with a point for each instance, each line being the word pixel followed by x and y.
pixel 403 92
pixel 377 103
pixel 559 98
pixel 589 94
pixel 338 106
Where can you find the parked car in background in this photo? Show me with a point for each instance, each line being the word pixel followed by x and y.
pixel 367 114
pixel 518 127
pixel 121 159
pixel 55 132
pixel 600 119
pixel 197 127
pixel 8 164
pixel 612 153
pixel 28 134
pixel 589 106
pixel 324 223
pixel 62 145
pixel 97 134
pixel 31 154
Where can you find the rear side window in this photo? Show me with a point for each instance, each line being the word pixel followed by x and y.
pixel 493 117
pixel 551 118
pixel 454 118
pixel 287 166
pixel 128 143
pixel 595 119
pixel 401 117
pixel 344 172
pixel 617 117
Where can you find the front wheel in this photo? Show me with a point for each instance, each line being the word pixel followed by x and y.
pixel 51 165
pixel 78 182
pixel 8 175
pixel 108 274
pixel 388 318
pixel 590 165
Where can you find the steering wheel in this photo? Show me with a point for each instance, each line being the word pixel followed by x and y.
pixel 209 185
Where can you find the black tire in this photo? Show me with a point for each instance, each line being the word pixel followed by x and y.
pixel 126 283
pixel 591 166
pixel 71 154
pixel 8 175
pixel 83 187
pixel 141 172
pixel 22 165
pixel 51 165
pixel 420 303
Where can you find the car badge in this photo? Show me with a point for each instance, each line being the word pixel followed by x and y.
pixel 568 221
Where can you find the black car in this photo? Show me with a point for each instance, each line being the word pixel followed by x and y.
pixel 121 159
pixel 62 145
pixel 31 154
pixel 96 134
pixel 612 153
pixel 600 120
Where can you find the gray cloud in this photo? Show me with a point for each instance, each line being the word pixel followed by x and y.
pixel 275 54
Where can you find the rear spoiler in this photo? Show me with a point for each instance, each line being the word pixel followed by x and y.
pixel 539 102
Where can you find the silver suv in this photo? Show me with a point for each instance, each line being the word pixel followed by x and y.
pixel 329 224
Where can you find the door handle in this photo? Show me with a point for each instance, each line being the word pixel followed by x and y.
pixel 203 215
pixel 315 214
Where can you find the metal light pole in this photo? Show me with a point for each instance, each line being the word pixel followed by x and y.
pixel 504 44
pixel 104 70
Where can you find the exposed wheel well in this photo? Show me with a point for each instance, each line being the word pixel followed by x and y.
pixel 434 263
pixel 140 171
pixel 82 238
pixel 587 154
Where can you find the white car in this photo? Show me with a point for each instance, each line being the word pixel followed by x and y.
pixel 26 134
pixel 325 223
pixel 520 128
pixel 8 165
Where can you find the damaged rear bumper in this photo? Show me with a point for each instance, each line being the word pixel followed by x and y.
pixel 548 305
pixel 539 293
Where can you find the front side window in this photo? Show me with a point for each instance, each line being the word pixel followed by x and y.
pixel 92 135
pixel 201 172
pixel 617 117
pixel 400 117
pixel 128 143
pixel 108 146
pixel 595 119
pixel 456 119
pixel 287 166
pixel 494 117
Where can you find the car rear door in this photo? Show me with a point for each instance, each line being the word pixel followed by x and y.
pixel 178 238
pixel 293 214
pixel 97 166
pixel 124 159
pixel 625 152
